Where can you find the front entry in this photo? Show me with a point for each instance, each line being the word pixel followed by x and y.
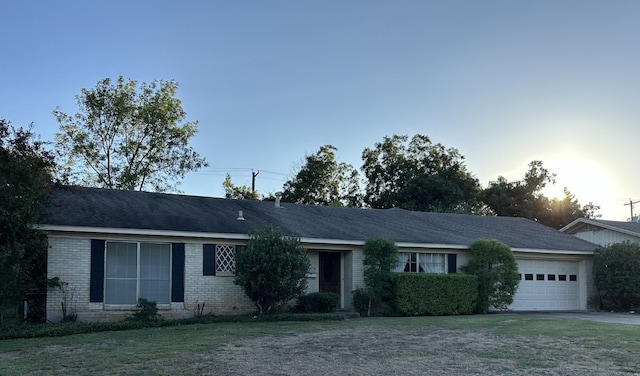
pixel 329 272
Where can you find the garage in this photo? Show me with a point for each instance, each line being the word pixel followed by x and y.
pixel 547 286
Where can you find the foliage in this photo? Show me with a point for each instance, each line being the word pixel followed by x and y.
pixel 323 181
pixel 25 179
pixel 125 138
pixel 419 294
pixel 524 198
pixel 146 310
pixel 418 175
pixel 272 269
pixel 616 274
pixel 361 300
pixel 497 270
pixel 380 259
pixel 70 328
pixel 317 302
pixel 238 192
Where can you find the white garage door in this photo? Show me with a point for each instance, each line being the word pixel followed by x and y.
pixel 547 286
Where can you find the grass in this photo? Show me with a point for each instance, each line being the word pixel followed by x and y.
pixel 498 344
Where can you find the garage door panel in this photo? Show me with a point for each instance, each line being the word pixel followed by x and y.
pixel 547 285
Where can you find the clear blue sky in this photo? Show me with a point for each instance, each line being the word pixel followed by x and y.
pixel 505 82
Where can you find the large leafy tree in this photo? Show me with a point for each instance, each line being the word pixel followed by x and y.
pixel 524 198
pixel 417 174
pixel 25 179
pixel 497 270
pixel 127 136
pixel 272 269
pixel 322 180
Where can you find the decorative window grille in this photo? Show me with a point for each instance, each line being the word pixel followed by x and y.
pixel 225 258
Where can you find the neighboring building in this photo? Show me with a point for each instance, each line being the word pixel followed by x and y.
pixel 112 247
pixel 603 232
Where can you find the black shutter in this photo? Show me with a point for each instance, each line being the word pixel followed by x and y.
pixel 96 285
pixel 451 261
pixel 208 259
pixel 177 272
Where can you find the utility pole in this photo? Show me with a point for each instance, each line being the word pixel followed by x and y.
pixel 253 180
pixel 631 203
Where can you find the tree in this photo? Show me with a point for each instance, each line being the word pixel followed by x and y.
pixel 323 181
pixel 238 192
pixel 380 259
pixel 124 138
pixel 524 198
pixel 25 179
pixel 497 270
pixel 272 269
pixel 616 275
pixel 418 175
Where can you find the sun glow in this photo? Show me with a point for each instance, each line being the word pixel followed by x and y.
pixel 583 177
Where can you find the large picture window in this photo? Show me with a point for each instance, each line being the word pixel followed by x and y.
pixel 137 270
pixel 416 262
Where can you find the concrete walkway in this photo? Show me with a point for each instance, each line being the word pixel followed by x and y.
pixel 610 317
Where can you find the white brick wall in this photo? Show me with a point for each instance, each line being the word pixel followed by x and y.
pixel 218 293
pixel 70 256
pixel 68 260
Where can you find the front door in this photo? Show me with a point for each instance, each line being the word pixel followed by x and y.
pixel 329 272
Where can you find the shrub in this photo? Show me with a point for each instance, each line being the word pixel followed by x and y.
pixel 380 259
pixel 272 269
pixel 616 275
pixel 435 294
pixel 497 271
pixel 147 310
pixel 361 301
pixel 318 302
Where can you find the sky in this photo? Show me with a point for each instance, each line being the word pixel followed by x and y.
pixel 504 82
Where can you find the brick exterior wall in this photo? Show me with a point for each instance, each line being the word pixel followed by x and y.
pixel 70 256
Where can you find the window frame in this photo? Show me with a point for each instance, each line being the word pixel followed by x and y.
pixel 138 273
pixel 414 260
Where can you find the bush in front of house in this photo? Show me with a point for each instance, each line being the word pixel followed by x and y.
pixel 616 275
pixel 418 294
pixel 272 269
pixel 380 259
pixel 317 302
pixel 495 266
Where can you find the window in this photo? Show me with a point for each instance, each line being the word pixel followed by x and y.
pixel 415 262
pixel 528 277
pixel 573 277
pixel 562 277
pixel 137 270
pixel 551 277
pixel 225 258
pixel 539 277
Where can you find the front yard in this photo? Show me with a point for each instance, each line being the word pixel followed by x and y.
pixel 499 344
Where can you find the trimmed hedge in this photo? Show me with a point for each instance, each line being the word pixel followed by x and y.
pixel 435 294
pixel 65 329
pixel 317 302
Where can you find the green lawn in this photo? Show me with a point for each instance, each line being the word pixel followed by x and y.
pixel 498 344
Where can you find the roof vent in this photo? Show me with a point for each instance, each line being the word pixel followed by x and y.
pixel 278 197
pixel 240 216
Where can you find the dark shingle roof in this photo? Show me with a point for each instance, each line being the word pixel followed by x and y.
pixel 582 224
pixel 104 208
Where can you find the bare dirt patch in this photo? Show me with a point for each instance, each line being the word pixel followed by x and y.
pixel 371 350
